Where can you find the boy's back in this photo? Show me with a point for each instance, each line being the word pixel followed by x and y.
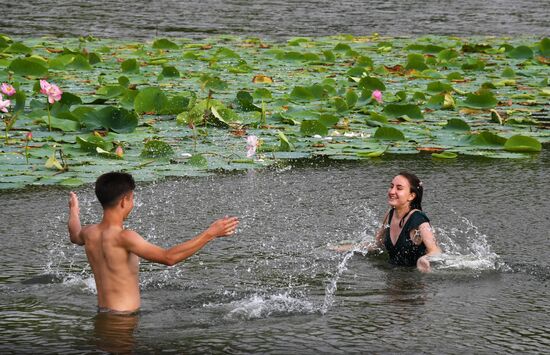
pixel 115 269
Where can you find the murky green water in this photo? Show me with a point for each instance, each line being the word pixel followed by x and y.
pixel 270 289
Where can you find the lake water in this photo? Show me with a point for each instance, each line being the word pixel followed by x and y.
pixel 275 287
pixel 274 19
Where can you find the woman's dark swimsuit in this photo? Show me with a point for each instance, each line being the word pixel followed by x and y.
pixel 405 252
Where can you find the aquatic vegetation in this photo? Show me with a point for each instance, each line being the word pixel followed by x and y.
pixel 176 107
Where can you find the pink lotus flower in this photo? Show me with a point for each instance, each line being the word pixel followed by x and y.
pixel 377 95
pixel 4 104
pixel 51 90
pixel 7 89
pixel 119 152
pixel 251 145
pixel 28 137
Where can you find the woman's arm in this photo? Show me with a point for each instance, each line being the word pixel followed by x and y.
pixel 428 238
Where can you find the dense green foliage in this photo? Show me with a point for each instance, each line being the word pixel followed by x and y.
pixel 180 107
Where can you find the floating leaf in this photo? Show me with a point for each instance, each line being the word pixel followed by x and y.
pixel 130 66
pixel 482 100
pixel 164 43
pixel 486 138
pixel 371 83
pixel 521 52
pixel 169 72
pixel 198 161
pixel 25 66
pixel 389 133
pixel 246 101
pixel 92 142
pixel 156 148
pixel 522 144
pixel 416 61
pixel 285 145
pixel 150 99
pixel 445 155
pixel 111 118
pixel 457 124
pixel 399 110
pixel 313 127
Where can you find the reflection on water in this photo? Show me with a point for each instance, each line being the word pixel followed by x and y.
pixel 114 333
pixel 274 18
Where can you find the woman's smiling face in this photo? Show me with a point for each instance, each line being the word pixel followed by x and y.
pixel 399 193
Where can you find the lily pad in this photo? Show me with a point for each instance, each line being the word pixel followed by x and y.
pixel 522 144
pixel 389 133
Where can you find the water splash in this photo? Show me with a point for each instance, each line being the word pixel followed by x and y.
pixel 264 306
pixel 332 285
pixel 465 248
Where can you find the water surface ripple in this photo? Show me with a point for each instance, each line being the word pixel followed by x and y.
pixel 275 19
pixel 270 288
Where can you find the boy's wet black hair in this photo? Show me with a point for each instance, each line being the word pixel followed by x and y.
pixel 110 187
pixel 416 187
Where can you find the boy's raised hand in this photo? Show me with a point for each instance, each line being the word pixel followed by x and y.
pixel 73 203
pixel 223 227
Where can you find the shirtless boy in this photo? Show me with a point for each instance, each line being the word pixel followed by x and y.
pixel 113 252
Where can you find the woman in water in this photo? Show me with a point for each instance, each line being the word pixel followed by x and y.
pixel 406 234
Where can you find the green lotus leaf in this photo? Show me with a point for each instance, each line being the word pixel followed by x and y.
pixel 457 124
pixel 447 54
pixel 473 64
pixel 328 120
pixel 445 155
pixel 389 133
pixel 79 62
pixel 476 48
pixel 227 53
pixel 340 104
pixel 371 83
pixel 482 100
pixel 92 142
pixel 441 101
pixel 246 101
pixel 522 144
pixel 285 145
pixel 313 127
pixel 485 138
pixel 351 98
pixel 329 56
pixel 20 99
pixel 198 161
pixel 130 66
pixel 437 87
pixel 508 73
pixel 94 58
pixel 301 93
pixel 400 110
pixel 212 83
pixel 18 48
pixel 262 93
pixel 178 104
pixel 25 66
pixel 156 148
pixel 72 182
pixel 61 61
pixel 111 118
pixel 455 76
pixel 544 47
pixel 416 61
pixel 342 47
pixel 521 52
pixel 169 72
pixel 111 91
pixel 164 43
pixel 150 99
pixel 61 124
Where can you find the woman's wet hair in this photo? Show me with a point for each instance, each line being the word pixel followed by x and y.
pixel 110 187
pixel 416 187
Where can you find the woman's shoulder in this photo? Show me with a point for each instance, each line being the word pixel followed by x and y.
pixel 417 218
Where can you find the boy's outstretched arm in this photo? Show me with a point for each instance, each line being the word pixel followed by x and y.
pixel 74 220
pixel 134 243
